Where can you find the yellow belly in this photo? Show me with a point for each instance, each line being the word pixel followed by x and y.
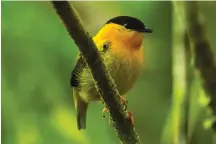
pixel 125 73
pixel 124 70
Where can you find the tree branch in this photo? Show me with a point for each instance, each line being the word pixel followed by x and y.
pixel 104 83
pixel 204 58
pixel 189 85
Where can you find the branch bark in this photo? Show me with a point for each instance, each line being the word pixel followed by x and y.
pixel 104 83
pixel 204 58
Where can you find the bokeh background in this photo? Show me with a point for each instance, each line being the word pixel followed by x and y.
pixel 38 56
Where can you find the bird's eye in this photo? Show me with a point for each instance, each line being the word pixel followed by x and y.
pixel 125 25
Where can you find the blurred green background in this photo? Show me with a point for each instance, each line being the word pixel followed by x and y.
pixel 38 56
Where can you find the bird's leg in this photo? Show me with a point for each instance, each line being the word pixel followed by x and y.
pixel 124 101
pixel 131 117
pixel 105 110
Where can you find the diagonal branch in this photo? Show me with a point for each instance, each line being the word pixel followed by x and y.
pixel 204 58
pixel 104 83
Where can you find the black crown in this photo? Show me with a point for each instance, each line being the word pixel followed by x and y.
pixel 130 23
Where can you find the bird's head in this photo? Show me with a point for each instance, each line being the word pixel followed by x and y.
pixel 126 30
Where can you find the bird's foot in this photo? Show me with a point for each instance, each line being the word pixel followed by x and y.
pixel 105 110
pixel 130 116
pixel 124 101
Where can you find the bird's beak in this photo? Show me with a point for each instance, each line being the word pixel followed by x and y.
pixel 146 30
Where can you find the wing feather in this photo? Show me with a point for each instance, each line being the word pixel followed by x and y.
pixel 81 65
pixel 75 75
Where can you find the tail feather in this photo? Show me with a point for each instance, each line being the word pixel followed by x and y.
pixel 81 116
pixel 81 110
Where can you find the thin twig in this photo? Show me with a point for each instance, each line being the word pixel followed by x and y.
pixel 104 83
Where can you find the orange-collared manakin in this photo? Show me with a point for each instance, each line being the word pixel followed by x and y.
pixel 119 42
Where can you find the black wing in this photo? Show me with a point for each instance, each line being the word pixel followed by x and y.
pixel 80 65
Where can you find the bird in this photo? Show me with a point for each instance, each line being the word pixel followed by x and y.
pixel 119 43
